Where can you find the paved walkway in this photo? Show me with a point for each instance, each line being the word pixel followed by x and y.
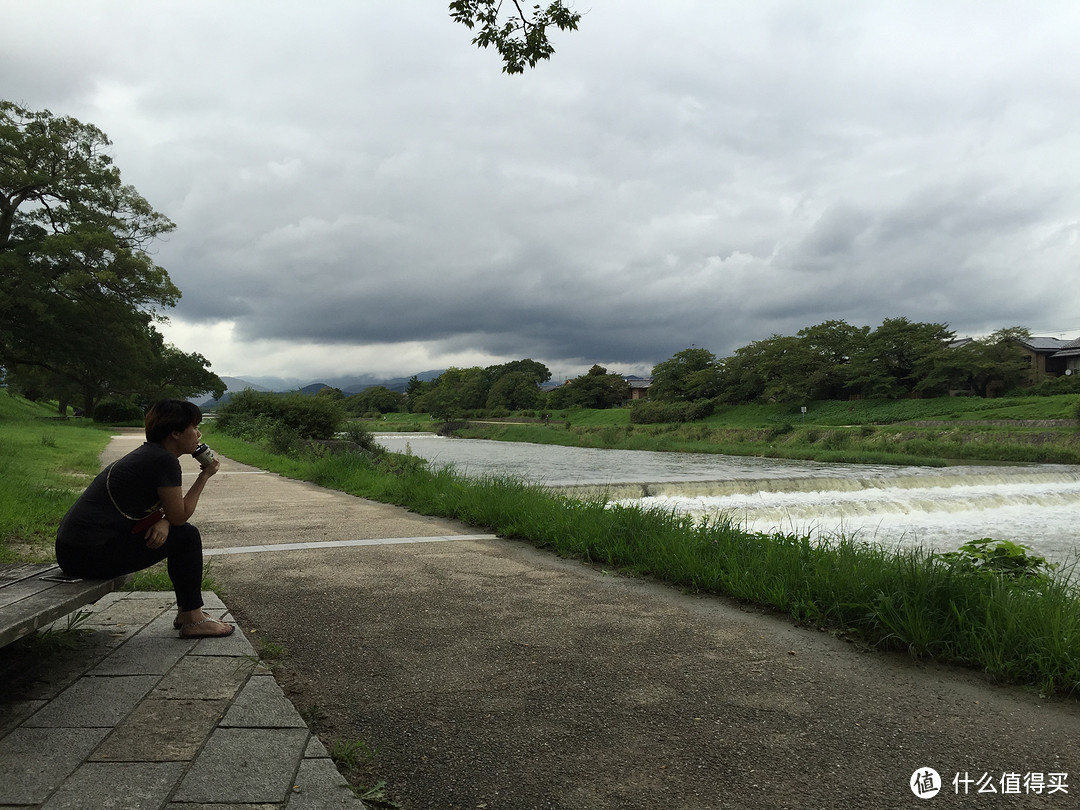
pixel 121 713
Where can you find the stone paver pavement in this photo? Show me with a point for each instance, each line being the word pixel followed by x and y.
pixel 121 713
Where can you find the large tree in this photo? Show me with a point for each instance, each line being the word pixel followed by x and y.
pixel 79 293
pixel 375 398
pixel 519 35
pixel 768 370
pixel 825 353
pixel 902 358
pixel 595 389
pixel 688 375
pixel 455 392
pixel 993 364
pixel 516 391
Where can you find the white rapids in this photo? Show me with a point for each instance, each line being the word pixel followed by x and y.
pixel 940 508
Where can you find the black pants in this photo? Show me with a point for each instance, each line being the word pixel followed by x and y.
pixel 125 554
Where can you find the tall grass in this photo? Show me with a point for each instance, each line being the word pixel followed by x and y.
pixel 44 465
pixel 897 599
pixel 870 444
pixel 890 411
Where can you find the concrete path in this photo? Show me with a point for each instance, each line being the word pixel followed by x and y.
pixel 487 674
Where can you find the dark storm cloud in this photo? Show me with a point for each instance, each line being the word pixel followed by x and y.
pixel 356 182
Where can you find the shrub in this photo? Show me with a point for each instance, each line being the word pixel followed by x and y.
pixel 1006 559
pixel 657 413
pixel 1065 384
pixel 699 409
pixel 364 438
pixel 251 415
pixel 112 411
pixel 649 412
pixel 777 431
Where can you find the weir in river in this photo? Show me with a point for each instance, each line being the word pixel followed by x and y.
pixel 939 508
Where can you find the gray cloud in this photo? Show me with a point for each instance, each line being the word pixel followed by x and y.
pixel 358 177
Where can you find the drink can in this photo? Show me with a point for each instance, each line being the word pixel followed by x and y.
pixel 204 455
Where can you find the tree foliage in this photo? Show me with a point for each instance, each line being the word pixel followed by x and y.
pixel 902 357
pixel 595 389
pixel 375 399
pixel 691 374
pixel 516 391
pixel 254 415
pixel 993 364
pixel 520 36
pixel 79 293
pixel 458 392
pixel 835 360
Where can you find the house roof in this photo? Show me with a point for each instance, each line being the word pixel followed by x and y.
pixel 1070 349
pixel 1046 344
pixel 639 382
pixel 1067 353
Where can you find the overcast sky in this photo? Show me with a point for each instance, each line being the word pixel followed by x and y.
pixel 358 189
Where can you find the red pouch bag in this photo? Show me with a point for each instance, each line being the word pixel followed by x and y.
pixel 142 526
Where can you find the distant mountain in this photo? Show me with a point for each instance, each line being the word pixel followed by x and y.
pixel 353 384
pixel 267 383
pixel 237 384
pixel 398 384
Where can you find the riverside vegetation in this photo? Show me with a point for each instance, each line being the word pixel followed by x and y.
pixel 990 606
pixel 931 432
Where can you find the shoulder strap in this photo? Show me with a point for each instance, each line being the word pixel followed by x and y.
pixel 108 489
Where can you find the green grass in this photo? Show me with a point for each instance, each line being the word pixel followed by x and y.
pixel 44 465
pixel 864 412
pixel 927 432
pixel 776 432
pixel 406 422
pixel 894 599
pixel 156 578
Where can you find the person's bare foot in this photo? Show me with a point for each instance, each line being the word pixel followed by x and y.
pixel 202 627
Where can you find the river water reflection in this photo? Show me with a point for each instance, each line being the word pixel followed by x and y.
pixel 1037 504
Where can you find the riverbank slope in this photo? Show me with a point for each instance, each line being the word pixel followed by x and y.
pixel 932 432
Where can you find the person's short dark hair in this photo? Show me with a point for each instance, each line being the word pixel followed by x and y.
pixel 170 416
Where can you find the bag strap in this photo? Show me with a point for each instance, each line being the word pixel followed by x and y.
pixel 108 489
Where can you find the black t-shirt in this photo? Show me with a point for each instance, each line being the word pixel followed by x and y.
pixel 132 482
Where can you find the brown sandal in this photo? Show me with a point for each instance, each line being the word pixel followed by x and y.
pixel 185 629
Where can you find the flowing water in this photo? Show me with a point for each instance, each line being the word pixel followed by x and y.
pixel 941 508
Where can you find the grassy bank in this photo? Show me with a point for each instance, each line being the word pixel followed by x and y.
pixel 867 444
pixel 1018 630
pixel 44 465
pixel 931 432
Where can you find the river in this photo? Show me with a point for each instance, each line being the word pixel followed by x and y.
pixel 940 508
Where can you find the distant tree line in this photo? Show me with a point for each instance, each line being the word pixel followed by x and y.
pixel 837 361
pixel 80 295
pixel 830 361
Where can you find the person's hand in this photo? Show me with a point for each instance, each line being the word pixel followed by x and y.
pixel 157 534
pixel 210 469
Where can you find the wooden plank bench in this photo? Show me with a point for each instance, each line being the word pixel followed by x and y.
pixel 30 598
